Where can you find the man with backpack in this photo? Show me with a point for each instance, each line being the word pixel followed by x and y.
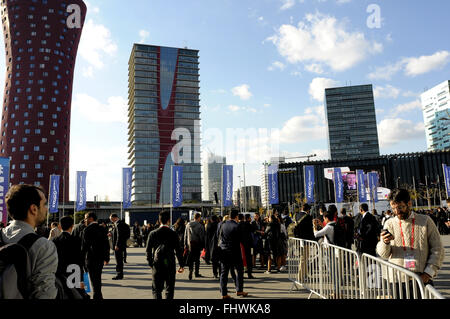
pixel 120 235
pixel 194 240
pixel 162 245
pixel 27 206
pixel 304 224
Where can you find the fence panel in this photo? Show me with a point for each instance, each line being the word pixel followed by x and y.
pixel 304 265
pixel 432 293
pixel 384 280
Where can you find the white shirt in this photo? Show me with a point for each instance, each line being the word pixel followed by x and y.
pixel 326 232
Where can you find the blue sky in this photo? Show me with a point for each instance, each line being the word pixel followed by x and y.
pixel 263 64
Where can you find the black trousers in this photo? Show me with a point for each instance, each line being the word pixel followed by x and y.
pixel 95 273
pixel 194 258
pixel 249 260
pixel 119 254
pixel 228 261
pixel 163 278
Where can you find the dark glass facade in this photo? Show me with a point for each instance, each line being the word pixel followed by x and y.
pixel 352 124
pixel 395 170
pixel 40 51
pixel 163 97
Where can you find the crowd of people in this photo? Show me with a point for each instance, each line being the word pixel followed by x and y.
pixel 233 244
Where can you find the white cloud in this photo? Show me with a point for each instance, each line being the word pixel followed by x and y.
pixel 88 72
pixel 96 43
pixel 386 92
pixel 91 8
pixel 276 65
pixel 314 68
pixel 412 66
pixel 306 127
pixel 93 110
pixel 392 131
pixel 287 4
pixel 318 86
pixel 144 34
pixel 243 91
pixel 323 39
pixel 406 107
pixel 236 108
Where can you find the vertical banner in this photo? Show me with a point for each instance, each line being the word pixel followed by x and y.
pixel 4 186
pixel 126 186
pixel 81 191
pixel 273 184
pixel 373 186
pixel 227 186
pixel 177 186
pixel 309 183
pixel 54 194
pixel 361 181
pixel 447 179
pixel 338 185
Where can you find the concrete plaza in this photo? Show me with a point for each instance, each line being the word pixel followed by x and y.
pixel 137 283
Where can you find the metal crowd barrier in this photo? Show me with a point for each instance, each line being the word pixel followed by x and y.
pixel 333 272
pixel 305 265
pixel 384 280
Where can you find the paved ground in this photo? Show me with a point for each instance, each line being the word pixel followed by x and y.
pixel 137 282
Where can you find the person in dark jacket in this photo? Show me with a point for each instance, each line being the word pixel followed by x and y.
pixel 194 241
pixel 230 239
pixel 304 228
pixel 211 245
pixel 78 229
pixel 162 246
pixel 95 251
pixel 248 244
pixel 119 243
pixel 348 224
pixel 273 233
pixel 258 227
pixel 137 233
pixel 368 231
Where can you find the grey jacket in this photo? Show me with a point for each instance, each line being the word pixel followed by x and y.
pixel 194 232
pixel 43 258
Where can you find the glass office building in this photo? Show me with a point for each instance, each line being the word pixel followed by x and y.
pixel 163 115
pixel 436 114
pixel 352 123
pixel 212 177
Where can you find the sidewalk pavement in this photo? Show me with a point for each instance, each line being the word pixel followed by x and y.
pixel 137 283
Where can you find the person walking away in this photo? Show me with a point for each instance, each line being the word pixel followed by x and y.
pixel 69 253
pixel 119 234
pixel 258 231
pixel 211 245
pixel 54 231
pixel 367 232
pixel 272 234
pixel 162 247
pixel 194 239
pixel 348 227
pixel 412 240
pixel 283 245
pixel 230 239
pixel 137 234
pixel 95 252
pixel 27 207
pixel 248 244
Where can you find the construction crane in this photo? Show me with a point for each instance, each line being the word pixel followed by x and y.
pixel 306 156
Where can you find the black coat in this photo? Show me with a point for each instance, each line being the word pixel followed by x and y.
pixel 168 237
pixel 211 240
pixel 119 234
pixel 95 244
pixel 69 252
pixel 304 228
pixel 368 232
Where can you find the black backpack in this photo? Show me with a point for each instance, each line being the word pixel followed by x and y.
pixel 15 267
pixel 162 255
pixel 339 234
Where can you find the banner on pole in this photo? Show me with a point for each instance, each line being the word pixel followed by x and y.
pixel 447 179
pixel 273 184
pixel 309 183
pixel 127 173
pixel 54 194
pixel 227 185
pixel 338 185
pixel 361 181
pixel 373 186
pixel 177 186
pixel 4 186
pixel 81 191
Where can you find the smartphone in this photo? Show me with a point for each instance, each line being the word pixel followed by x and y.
pixel 385 232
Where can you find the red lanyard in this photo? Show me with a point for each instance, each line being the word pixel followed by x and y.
pixel 412 234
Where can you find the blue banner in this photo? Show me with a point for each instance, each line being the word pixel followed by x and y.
pixel 4 187
pixel 373 186
pixel 227 186
pixel 53 197
pixel 273 184
pixel 447 179
pixel 309 183
pixel 81 191
pixel 361 181
pixel 127 174
pixel 177 186
pixel 338 185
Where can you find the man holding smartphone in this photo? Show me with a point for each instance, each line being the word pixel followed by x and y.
pixel 411 240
